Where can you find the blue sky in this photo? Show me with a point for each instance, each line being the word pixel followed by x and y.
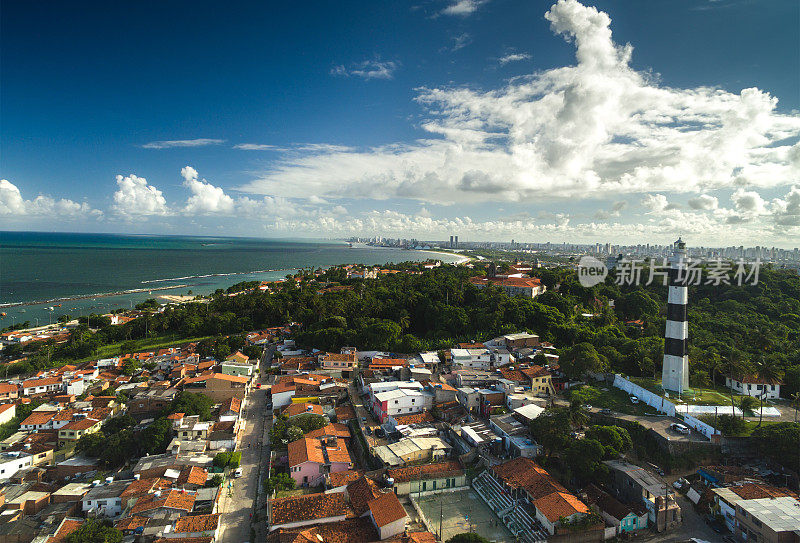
pixel 489 119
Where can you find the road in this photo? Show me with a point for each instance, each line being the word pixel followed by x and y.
pixel 238 504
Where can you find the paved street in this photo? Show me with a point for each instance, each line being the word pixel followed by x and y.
pixel 237 505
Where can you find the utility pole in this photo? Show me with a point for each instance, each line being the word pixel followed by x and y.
pixel 441 516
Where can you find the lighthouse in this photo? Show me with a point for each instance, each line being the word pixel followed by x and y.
pixel 675 373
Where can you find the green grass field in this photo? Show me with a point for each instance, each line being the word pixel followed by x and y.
pixel 113 349
pixel 612 398
pixel 718 395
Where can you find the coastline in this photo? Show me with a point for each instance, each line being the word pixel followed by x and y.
pixel 461 258
pixel 91 296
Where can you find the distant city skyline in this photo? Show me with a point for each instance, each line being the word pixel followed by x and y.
pixel 563 121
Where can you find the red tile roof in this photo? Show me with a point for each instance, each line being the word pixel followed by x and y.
pixel 361 492
pixel 415 418
pixel 294 409
pixel 341 478
pixel 171 499
pixel 192 475
pixel 38 417
pixel 425 471
pixel 308 507
pixel 68 525
pixel 386 509
pixel 199 523
pixel 335 429
pixel 559 504
pixel 345 413
pixel 131 523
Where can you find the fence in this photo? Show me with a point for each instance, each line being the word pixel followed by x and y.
pixel 662 405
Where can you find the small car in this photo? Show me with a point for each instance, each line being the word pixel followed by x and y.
pixel 680 428
pixel 634 399
pixel 606 411
pixel 238 472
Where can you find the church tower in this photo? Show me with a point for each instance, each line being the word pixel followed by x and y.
pixel 675 373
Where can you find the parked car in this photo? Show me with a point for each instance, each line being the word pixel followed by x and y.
pixel 634 399
pixel 606 411
pixel 238 472
pixel 680 428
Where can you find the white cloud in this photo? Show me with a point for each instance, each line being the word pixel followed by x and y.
pixel 461 41
pixel 256 147
pixel 368 69
pixel 615 211
pixel 168 144
pixel 463 7
pixel 748 202
pixel 592 130
pixel 134 197
pixel 205 198
pixel 13 204
pixel 704 201
pixel 514 57
pixel 787 209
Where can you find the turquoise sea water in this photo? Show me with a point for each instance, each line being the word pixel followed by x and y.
pixel 42 270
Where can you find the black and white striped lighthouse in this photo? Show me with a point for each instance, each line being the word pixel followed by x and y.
pixel 675 373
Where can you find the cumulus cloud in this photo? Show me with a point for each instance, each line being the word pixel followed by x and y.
pixel 205 198
pixel 595 129
pixel 514 57
pixel 463 7
pixel 13 204
pixel 134 197
pixel 704 201
pixel 787 209
pixel 168 144
pixel 615 211
pixel 368 69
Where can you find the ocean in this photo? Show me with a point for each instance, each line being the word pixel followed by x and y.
pixel 96 273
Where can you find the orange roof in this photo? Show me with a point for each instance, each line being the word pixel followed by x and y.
pixel 172 499
pixel 199 523
pixel 378 363
pixel 41 382
pixel 192 475
pixel 80 424
pixel 5 407
pixel 145 486
pixel 424 471
pixel 345 413
pixel 386 509
pixel 176 416
pixel 233 404
pixel 131 523
pixel 5 388
pixel 414 418
pixel 312 450
pixel 529 282
pixel 334 429
pixel 559 504
pixel 308 507
pixel 38 417
pixel 68 525
pixel 341 478
pixel 362 491
pixel 535 371
pixel 294 409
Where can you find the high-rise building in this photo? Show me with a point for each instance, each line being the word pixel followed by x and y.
pixel 456 242
pixel 451 242
pixel 675 373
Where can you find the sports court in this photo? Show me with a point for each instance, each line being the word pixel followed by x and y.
pixel 462 511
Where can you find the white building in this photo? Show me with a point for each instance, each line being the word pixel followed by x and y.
pixel 401 401
pixel 754 386
pixel 105 499
pixel 475 359
pixel 12 462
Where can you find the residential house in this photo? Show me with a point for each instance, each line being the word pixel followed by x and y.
pixel 771 520
pixel 752 385
pixel 625 518
pixel 46 385
pixel 237 368
pixel 473 359
pixel 311 459
pixel 529 287
pixel 13 461
pixel 72 432
pixel 7 412
pixel 218 386
pixel 401 401
pixel 413 450
pixel 427 478
pixel 104 500
pixel 344 361
pixel 8 392
pixel 634 485
pixel 726 498
pixel 311 509
pixel 197 526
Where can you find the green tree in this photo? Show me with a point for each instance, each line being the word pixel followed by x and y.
pixel 191 404
pixel 216 480
pixel 769 373
pixel 780 442
pixel 584 458
pixel 576 361
pixel 95 531
pixel 293 433
pixel 551 429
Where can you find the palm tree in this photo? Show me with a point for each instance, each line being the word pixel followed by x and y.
pixel 737 365
pixel 768 373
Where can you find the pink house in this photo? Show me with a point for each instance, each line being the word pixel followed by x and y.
pixel 310 459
